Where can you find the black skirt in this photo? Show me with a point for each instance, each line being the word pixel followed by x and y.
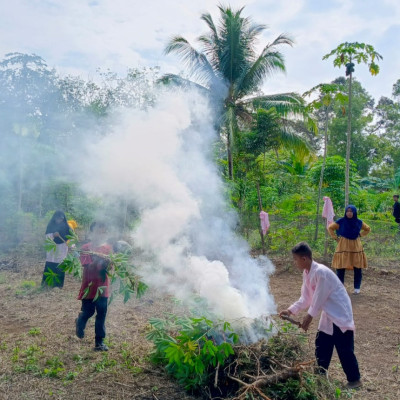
pixel 53 280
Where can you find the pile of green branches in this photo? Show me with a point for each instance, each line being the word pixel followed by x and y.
pixel 207 358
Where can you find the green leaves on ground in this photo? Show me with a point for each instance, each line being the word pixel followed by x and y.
pixel 188 347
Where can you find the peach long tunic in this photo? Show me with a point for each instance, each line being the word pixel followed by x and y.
pixel 349 253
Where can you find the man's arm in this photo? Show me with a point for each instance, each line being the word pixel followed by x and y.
pixel 301 304
pixel 306 322
pixel 321 293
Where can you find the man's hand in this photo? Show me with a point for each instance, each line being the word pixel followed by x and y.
pixel 56 234
pixel 306 322
pixel 286 313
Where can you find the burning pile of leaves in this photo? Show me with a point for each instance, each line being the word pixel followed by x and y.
pixel 207 358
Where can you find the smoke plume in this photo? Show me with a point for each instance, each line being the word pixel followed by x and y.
pixel 161 160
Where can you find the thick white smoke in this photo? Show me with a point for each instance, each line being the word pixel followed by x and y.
pixel 160 159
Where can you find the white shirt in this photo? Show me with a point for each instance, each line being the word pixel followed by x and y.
pixel 323 292
pixel 59 255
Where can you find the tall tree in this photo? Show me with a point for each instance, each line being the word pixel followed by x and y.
pixel 228 69
pixel 328 94
pixel 387 128
pixel 362 108
pixel 345 55
pixel 28 100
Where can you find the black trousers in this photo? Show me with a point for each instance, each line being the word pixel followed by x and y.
pixel 344 343
pixel 89 307
pixel 357 276
pixel 54 267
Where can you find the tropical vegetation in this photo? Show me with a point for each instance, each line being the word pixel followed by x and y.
pixel 280 153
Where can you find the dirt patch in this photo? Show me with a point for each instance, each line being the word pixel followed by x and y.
pixel 377 319
pixel 37 329
pixel 9 264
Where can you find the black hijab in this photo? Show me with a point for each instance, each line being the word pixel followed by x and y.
pixel 349 228
pixel 62 228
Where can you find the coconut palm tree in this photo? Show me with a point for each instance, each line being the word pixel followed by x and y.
pixel 229 70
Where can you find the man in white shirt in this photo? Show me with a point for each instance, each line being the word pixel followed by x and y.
pixel 322 292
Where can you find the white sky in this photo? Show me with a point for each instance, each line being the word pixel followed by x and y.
pixel 78 36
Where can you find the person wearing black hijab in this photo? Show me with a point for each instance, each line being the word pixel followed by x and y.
pixel 349 252
pixel 396 208
pixel 57 230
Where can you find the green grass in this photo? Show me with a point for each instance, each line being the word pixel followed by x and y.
pixel 34 332
pixel 26 287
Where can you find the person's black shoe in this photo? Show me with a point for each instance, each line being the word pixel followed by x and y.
pixel 79 331
pixel 354 385
pixel 101 347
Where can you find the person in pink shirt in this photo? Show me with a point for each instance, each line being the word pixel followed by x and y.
pixel 323 292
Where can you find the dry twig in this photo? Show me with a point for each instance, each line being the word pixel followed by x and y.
pixel 291 320
pixel 266 380
pixel 216 376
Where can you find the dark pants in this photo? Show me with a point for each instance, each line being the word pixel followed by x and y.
pixel 58 281
pixel 344 343
pixel 357 276
pixel 88 309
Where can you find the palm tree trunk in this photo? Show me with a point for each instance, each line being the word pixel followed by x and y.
pixel 264 161
pixel 348 147
pixel 321 178
pixel 229 145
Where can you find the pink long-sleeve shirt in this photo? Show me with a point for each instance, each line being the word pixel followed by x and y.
pixel 323 292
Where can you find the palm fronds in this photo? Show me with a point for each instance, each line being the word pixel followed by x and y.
pixel 198 64
pixel 268 62
pixel 178 81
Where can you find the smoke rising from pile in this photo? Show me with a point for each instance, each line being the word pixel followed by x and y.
pixel 161 161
